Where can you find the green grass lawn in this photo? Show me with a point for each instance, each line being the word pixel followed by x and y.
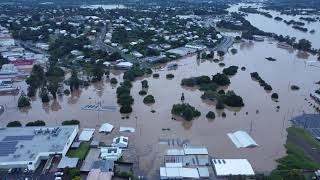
pixel 81 152
pixel 296 159
pixel 299 132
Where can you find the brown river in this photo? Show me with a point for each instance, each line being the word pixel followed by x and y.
pixel 267 127
pixel 279 27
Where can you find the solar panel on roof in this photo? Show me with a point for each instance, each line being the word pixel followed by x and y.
pixel 7 148
pixel 18 138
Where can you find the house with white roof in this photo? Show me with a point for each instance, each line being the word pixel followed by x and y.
pixel 124 65
pixel 121 142
pixel 111 153
pixel 106 128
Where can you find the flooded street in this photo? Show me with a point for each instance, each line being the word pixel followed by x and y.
pixel 267 127
pixel 279 27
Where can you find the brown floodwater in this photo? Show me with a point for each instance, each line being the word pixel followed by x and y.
pixel 267 127
pixel 279 27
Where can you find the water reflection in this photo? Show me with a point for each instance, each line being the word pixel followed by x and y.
pixel 46 107
pixel 303 55
pixel 75 95
pixel 55 105
pixel 279 27
pixel 246 45
pixel 281 74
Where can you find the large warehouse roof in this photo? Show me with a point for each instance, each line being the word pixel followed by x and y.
pixel 226 167
pixel 25 144
pixel 178 173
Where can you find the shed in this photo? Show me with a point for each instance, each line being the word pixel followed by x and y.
pixel 86 134
pixel 203 172
pixel 106 127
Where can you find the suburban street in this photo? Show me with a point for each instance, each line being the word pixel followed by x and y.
pixel 98 44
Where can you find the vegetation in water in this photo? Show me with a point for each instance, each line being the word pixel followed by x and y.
pixel 221 79
pixel 230 71
pixel 210 115
pixel 149 99
pixel 14 124
pixel 186 111
pixel 124 98
pixel 23 101
pixel 274 96
pixel 295 87
pixel 71 122
pixel 169 76
pixel 113 81
pixel 142 92
pixel 36 123
pixel 144 84
pixel 262 83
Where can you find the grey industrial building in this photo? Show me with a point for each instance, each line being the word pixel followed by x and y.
pixel 25 147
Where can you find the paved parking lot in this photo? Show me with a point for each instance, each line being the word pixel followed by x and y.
pixel 22 176
pixel 37 175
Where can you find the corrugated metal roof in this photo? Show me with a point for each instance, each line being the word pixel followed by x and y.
pixel 190 173
pixel 175 152
pixel 195 151
pixel 86 134
pixel 203 172
pixel 172 165
pixel 226 167
pixel 178 173
pixel 242 139
pixel 106 127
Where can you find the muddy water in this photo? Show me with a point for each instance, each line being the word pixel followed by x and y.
pixel 267 127
pixel 279 27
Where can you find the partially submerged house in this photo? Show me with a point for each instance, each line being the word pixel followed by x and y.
pixel 121 142
pixel 106 128
pixel 242 139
